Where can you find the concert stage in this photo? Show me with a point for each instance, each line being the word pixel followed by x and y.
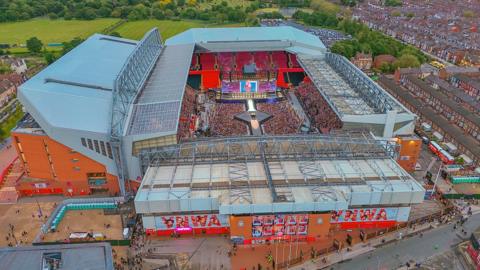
pixel 248 89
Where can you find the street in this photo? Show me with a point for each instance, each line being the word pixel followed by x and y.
pixel 418 249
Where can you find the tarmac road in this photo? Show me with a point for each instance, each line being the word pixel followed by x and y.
pixel 418 249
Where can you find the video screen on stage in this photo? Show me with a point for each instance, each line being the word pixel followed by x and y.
pixel 191 221
pixel 248 86
pixel 279 225
pixel 364 215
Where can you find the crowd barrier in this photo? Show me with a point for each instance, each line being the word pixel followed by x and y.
pixel 79 206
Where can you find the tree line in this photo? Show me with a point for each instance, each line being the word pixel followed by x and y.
pixel 207 10
pixel 365 40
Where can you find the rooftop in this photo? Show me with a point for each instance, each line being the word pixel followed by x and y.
pixel 257 174
pixel 459 93
pixel 472 117
pixel 78 86
pixel 318 184
pixel 157 109
pixel 333 76
pixel 466 140
pixel 94 256
pixel 247 37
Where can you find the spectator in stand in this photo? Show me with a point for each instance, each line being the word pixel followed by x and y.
pixel 321 115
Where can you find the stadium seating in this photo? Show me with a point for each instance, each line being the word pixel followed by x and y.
pixel 279 60
pixel 293 63
pixel 262 61
pixel 284 118
pixel 194 65
pixel 319 111
pixel 208 61
pixel 225 61
pixel 242 59
pixel 187 110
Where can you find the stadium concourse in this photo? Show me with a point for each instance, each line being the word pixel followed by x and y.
pixel 248 131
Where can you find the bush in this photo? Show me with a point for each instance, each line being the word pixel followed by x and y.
pixel 52 16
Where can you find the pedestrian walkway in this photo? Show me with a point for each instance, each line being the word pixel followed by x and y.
pixel 362 248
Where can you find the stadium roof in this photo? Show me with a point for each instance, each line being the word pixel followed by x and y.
pixel 75 92
pixel 335 185
pixel 253 36
pixel 93 256
pixel 157 108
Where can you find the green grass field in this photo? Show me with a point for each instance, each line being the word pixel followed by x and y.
pixel 136 29
pixel 51 31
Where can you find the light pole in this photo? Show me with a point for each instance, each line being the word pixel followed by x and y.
pixel 436 178
pixel 39 208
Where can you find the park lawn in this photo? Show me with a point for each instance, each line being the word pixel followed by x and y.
pixel 51 31
pixel 136 29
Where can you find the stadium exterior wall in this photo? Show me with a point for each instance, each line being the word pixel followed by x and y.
pixel 58 169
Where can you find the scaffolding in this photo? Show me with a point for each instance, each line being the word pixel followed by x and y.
pixel 299 147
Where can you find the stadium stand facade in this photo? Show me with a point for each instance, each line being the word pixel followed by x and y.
pixel 97 114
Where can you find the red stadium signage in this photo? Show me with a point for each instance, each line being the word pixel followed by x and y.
pixel 279 225
pixel 365 218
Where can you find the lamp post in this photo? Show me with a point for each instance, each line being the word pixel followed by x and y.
pixel 39 208
pixel 436 178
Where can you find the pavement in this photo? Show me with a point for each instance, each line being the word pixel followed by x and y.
pixel 395 254
pixel 195 253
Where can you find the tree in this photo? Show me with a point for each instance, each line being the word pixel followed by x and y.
pixel 52 16
pixel 459 160
pixel 4 69
pixel 251 20
pixel 386 68
pixel 49 57
pixel 34 45
pixel 69 45
pixel 158 14
pixel 406 60
pixel 393 3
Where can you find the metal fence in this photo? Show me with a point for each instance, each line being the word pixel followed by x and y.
pixel 45 227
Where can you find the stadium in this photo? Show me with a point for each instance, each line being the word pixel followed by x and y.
pixel 244 126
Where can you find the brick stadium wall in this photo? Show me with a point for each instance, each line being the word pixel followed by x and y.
pixel 45 158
